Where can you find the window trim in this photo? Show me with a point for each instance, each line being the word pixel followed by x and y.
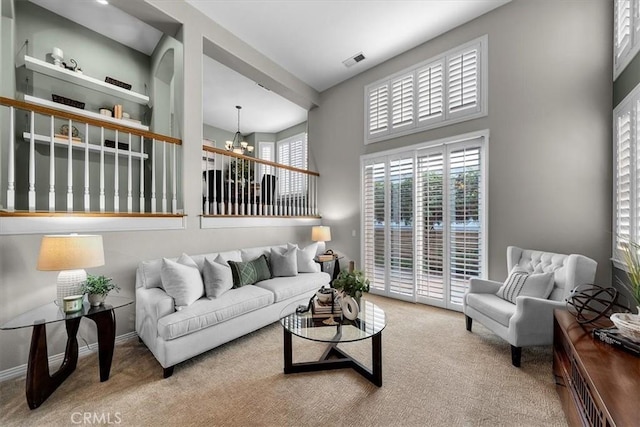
pixel 460 141
pixel 483 82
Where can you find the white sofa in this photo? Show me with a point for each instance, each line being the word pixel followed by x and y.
pixel 175 336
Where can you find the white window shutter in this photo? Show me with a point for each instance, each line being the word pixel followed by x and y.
pixel 623 175
pixel 378 110
pixel 622 29
pixel 430 94
pixel 373 212
pixel 463 82
pixel 402 102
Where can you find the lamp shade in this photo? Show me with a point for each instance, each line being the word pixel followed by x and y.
pixel 70 252
pixel 321 233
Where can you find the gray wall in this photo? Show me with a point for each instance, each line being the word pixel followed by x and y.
pixel 549 168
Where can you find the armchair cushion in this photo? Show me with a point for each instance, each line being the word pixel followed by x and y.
pixel 492 306
pixel 522 283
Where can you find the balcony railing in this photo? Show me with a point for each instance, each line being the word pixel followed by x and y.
pixel 107 168
pixel 238 185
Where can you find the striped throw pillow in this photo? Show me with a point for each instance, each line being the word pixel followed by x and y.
pixel 522 283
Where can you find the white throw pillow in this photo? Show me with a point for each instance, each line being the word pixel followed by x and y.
pixel 284 262
pixel 217 277
pixel 523 283
pixel 181 280
pixel 305 257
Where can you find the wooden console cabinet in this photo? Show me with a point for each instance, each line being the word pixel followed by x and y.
pixel 598 384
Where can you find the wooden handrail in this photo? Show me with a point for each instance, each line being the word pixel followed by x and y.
pixel 4 213
pixel 82 119
pixel 254 159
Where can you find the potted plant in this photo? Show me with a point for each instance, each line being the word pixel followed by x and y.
pixel 97 288
pixel 632 259
pixel 353 283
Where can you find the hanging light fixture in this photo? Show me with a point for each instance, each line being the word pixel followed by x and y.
pixel 238 146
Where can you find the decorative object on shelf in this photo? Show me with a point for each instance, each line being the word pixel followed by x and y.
pixel 240 171
pixel 238 145
pixel 106 112
pixel 118 83
pixel 70 255
pixel 97 288
pixel 589 303
pixel 72 66
pixel 109 143
pixel 350 308
pixel 72 303
pixel 58 56
pixel 321 234
pixel 352 282
pixel 117 111
pixel 632 260
pixel 67 101
pixel 64 130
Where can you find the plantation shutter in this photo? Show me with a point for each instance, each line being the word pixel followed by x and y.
pixel 266 151
pixel 429 225
pixel 378 111
pixel 401 226
pixel 463 80
pixel 292 152
pixel 430 93
pixel 402 102
pixel 622 29
pixel 284 183
pixel 373 212
pixel 465 232
pixel 623 175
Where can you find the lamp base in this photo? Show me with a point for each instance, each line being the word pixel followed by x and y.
pixel 322 247
pixel 69 283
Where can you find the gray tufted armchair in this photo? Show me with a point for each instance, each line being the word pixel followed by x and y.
pixel 529 321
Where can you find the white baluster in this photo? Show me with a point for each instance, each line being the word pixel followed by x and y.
pixel 174 200
pixel 205 190
pixel 11 167
pixel 315 197
pixel 102 195
pixel 153 176
pixel 70 168
pixel 32 166
pixel 87 196
pixel 229 210
pixel 116 178
pixel 52 167
pixel 129 180
pixel 142 209
pixel 164 177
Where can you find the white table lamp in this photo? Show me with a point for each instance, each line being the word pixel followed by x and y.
pixel 321 234
pixel 70 254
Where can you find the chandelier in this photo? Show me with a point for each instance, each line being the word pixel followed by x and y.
pixel 238 146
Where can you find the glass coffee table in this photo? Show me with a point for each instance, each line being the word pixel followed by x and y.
pixel 40 384
pixel 369 324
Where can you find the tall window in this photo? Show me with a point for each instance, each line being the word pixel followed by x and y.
pixel 626 118
pixel 626 33
pixel 445 89
pixel 423 220
pixel 266 151
pixel 292 151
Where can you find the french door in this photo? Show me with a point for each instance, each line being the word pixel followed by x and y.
pixel 423 221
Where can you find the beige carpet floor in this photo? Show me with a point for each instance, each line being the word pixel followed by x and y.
pixel 435 373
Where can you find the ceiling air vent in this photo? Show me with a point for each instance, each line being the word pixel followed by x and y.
pixel 353 60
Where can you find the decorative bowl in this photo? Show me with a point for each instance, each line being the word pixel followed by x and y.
pixel 628 324
pixel 324 294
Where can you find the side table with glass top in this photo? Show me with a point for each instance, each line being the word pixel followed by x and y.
pixel 40 384
pixel 369 324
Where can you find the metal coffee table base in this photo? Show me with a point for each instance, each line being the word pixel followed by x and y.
pixel 341 361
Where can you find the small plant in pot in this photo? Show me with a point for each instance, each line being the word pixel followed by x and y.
pixel 353 283
pixel 97 288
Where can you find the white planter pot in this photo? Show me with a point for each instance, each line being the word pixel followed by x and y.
pixel 96 300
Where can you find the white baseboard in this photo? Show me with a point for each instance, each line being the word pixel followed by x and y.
pixel 83 350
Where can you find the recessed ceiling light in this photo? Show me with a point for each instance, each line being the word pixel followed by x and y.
pixel 102 1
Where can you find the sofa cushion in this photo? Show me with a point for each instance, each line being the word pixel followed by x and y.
pixel 217 275
pixel 207 312
pixel 523 283
pixel 493 306
pixel 181 280
pixel 227 256
pixel 250 272
pixel 305 257
pixel 288 287
pixel 284 263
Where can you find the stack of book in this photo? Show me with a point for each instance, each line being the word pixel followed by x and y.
pixel 613 337
pixel 321 309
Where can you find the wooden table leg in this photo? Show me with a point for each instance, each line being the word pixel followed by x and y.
pixel 40 385
pixel 106 325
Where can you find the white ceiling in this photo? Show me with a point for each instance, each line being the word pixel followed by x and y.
pixel 308 38
pixel 311 38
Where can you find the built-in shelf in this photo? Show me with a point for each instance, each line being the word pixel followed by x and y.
pixel 79 145
pixel 85 113
pixel 83 80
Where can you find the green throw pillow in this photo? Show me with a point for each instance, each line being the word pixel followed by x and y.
pixel 250 272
